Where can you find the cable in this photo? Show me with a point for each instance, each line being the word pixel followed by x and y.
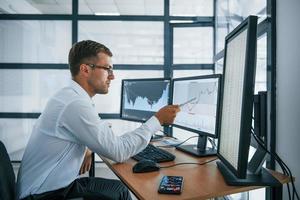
pixel 176 145
pixel 291 177
pixel 261 143
pixel 280 162
pixel 212 142
pixel 283 166
pixel 187 163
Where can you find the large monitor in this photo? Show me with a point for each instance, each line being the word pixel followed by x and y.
pixel 198 98
pixel 142 98
pixel 237 105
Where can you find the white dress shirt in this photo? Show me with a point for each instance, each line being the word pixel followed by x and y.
pixel 69 124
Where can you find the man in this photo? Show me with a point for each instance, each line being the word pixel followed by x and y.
pixel 58 149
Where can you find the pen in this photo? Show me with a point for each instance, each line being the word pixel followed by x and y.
pixel 189 101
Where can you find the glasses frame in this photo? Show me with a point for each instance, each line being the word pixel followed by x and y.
pixel 109 69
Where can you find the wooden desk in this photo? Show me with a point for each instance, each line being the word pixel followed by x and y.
pixel 200 181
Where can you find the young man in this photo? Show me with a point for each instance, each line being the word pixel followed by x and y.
pixel 58 149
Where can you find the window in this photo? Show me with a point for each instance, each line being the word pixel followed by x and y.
pixel 34 51
pixel 193 45
pixel 131 42
pixel 191 8
pixel 261 64
pixel 15 133
pixel 34 41
pixel 36 7
pixel 121 7
pixel 29 90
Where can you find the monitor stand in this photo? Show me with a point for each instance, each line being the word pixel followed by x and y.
pixel 264 178
pixel 199 150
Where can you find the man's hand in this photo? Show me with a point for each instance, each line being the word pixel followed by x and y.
pixel 87 162
pixel 167 114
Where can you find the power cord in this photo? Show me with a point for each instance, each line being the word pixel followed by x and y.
pixel 286 170
pixel 261 143
pixel 189 163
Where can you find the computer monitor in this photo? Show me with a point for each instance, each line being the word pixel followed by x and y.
pixel 198 98
pixel 142 98
pixel 237 105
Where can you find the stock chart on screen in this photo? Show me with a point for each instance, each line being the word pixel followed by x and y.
pixel 198 99
pixel 142 98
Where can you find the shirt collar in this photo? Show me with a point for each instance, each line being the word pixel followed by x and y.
pixel 79 90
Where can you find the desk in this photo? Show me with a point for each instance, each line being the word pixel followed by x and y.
pixel 200 181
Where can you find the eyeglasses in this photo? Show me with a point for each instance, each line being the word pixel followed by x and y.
pixel 108 69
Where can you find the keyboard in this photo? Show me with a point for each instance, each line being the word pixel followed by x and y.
pixel 153 153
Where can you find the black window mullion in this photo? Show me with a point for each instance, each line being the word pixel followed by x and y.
pixel 33 66
pixel 30 115
pixel 74 21
pixel 66 66
pixel 168 43
pixel 214 32
pixel 193 66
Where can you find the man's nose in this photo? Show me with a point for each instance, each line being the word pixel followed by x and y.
pixel 111 77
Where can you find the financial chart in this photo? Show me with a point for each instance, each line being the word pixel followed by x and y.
pixel 200 111
pixel 141 99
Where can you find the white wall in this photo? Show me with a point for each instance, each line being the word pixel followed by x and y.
pixel 288 85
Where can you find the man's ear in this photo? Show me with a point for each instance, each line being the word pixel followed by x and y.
pixel 84 69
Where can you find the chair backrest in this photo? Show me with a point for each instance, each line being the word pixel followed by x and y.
pixel 7 176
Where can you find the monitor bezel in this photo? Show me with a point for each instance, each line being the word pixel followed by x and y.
pixel 247 95
pixel 135 80
pixel 211 76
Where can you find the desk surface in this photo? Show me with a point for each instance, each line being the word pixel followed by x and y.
pixel 200 181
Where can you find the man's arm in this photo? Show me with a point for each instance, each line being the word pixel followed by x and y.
pixel 87 162
pixel 83 124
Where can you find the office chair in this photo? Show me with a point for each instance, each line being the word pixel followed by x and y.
pixel 7 176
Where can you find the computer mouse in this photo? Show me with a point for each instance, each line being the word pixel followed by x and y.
pixel 145 166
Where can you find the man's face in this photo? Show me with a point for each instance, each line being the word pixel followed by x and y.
pixel 101 74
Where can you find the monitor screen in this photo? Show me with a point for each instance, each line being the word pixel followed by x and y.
pixel 142 98
pixel 237 97
pixel 198 99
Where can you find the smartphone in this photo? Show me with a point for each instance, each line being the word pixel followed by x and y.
pixel 171 185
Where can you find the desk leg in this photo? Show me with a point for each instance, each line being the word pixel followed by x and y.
pixel 92 170
pixel 276 193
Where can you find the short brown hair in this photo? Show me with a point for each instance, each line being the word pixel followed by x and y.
pixel 83 51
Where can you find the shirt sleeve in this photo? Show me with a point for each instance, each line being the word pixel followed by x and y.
pixel 81 121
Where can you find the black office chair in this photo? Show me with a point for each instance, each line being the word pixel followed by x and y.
pixel 7 176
